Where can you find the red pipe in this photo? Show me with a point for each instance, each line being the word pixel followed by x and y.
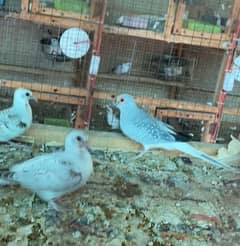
pixel 223 94
pixel 96 51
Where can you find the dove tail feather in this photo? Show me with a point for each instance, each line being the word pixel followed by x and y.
pixel 6 177
pixel 188 149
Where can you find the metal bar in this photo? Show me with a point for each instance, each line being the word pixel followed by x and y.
pixel 96 51
pixel 223 94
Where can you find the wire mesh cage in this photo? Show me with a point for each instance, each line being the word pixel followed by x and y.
pixel 208 16
pixel 39 50
pixel 82 7
pixel 10 6
pixel 142 15
pixel 155 50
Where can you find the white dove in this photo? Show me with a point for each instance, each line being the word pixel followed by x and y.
pixel 14 121
pixel 112 118
pixel 152 133
pixel 123 68
pixel 52 175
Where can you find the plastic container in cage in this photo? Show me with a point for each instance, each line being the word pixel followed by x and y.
pixel 72 5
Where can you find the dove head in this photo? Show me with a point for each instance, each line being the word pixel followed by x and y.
pixel 22 96
pixel 76 141
pixel 125 102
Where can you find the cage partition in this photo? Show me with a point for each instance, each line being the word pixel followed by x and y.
pixel 170 55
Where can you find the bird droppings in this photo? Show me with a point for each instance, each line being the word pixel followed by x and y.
pixel 155 200
pixel 124 188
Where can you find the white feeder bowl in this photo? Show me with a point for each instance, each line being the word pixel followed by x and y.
pixel 74 43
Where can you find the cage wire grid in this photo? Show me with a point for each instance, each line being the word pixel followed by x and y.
pixel 137 35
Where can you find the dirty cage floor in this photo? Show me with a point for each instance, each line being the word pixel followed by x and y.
pixel 156 200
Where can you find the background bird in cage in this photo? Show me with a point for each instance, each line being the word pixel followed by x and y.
pixel 169 67
pixel 141 15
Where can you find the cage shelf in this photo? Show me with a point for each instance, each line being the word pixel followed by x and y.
pixel 174 30
pixel 36 12
pixel 141 80
pixel 203 21
pixel 50 93
pixel 65 95
pixel 36 71
pixel 185 37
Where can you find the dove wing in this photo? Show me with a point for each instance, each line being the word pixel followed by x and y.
pixel 145 129
pixel 47 172
pixel 10 121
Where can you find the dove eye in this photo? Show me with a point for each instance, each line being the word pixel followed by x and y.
pixel 79 138
pixel 121 100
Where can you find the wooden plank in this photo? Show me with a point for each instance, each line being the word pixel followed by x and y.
pixel 96 8
pixel 151 102
pixel 170 17
pixel 43 134
pixel 63 14
pixel 204 35
pixel 126 78
pixel 173 113
pixel 59 98
pixel 181 105
pixel 234 17
pixel 166 103
pixel 198 41
pixel 54 94
pixel 24 5
pixel 179 17
pixel 55 21
pixel 35 6
pixel 184 39
pixel 37 71
pixel 72 91
pixel 134 32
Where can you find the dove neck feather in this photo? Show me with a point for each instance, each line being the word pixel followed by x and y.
pixel 84 164
pixel 129 113
pixel 75 150
pixel 19 104
pixel 23 109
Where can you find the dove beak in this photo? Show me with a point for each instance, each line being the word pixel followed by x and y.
pixel 33 98
pixel 85 145
pixel 89 148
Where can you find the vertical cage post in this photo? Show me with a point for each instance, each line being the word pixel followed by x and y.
pixel 92 77
pixel 24 5
pixel 35 6
pixel 96 52
pixel 223 94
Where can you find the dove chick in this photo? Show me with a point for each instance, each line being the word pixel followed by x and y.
pixel 153 133
pixel 52 175
pixel 17 119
